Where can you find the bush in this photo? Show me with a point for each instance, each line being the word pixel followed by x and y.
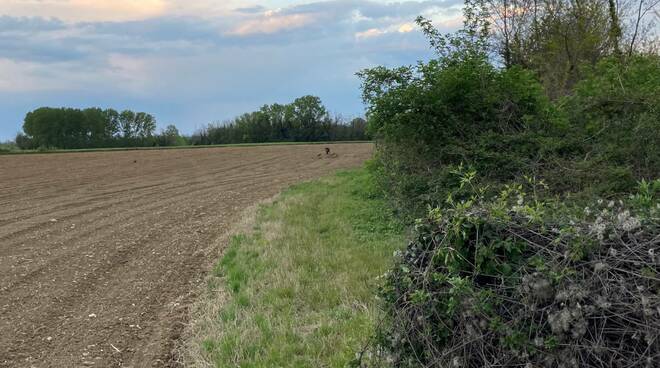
pixel 24 142
pixel 610 138
pixel 452 111
pixel 462 109
pixel 515 281
pixel 7 147
pixel 615 114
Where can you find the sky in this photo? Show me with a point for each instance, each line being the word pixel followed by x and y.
pixel 194 62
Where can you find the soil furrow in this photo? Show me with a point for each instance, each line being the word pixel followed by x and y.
pixel 107 284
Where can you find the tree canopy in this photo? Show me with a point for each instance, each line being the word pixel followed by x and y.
pixel 306 119
pixel 68 128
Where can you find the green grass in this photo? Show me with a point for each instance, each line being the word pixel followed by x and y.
pixel 7 147
pixel 298 290
pixel 16 151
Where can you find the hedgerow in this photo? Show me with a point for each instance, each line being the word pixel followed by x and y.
pixel 462 108
pixel 531 251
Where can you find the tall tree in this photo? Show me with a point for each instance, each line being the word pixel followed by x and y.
pixel 308 116
pixel 556 38
pixel 127 124
pixel 91 127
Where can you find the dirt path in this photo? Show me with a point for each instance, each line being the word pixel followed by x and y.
pixel 99 252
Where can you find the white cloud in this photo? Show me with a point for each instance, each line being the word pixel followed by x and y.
pixel 272 22
pixel 394 28
pixel 370 33
pixel 86 10
pixel 445 17
pixel 406 28
pixel 357 16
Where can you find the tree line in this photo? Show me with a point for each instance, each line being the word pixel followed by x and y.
pixel 68 128
pixel 304 120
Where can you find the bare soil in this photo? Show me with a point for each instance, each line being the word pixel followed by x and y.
pixel 101 252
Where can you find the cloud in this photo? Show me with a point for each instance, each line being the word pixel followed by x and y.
pixel 251 9
pixel 272 22
pixel 87 10
pixel 406 27
pixel 194 62
pixel 9 24
pixel 369 33
pixel 377 32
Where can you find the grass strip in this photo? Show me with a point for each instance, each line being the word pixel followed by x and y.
pixel 298 289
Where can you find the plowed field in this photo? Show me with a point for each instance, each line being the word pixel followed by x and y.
pixel 101 252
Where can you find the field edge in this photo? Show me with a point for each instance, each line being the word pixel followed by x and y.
pixel 295 282
pixel 190 147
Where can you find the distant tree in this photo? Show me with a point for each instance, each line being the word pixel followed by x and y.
pixel 145 125
pixel 111 123
pixel 24 142
pixel 171 131
pixel 94 128
pixel 47 126
pixel 170 137
pixel 91 127
pixel 127 124
pixel 137 128
pixel 358 129
pixel 305 119
pixel 280 124
pixel 308 116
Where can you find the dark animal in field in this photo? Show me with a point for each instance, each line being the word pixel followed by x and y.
pixel 328 154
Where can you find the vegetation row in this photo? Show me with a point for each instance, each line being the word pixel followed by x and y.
pixel 529 153
pixel 304 120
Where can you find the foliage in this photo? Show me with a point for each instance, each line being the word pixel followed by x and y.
pixel 508 267
pixel 615 113
pixel 8 147
pixel 462 109
pixel 556 39
pixel 24 142
pixel 303 120
pixel 455 109
pixel 67 128
pixel 170 136
pixel 513 280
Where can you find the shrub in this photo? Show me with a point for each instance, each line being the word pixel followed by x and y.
pixel 453 110
pixel 7 147
pixel 460 108
pixel 610 139
pixel 516 281
pixel 24 142
pixel 615 113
